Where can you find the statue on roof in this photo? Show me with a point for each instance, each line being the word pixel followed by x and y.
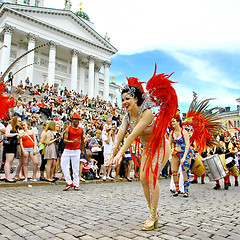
pixel 107 37
pixel 68 5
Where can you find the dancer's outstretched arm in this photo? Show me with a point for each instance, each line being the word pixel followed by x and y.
pixel 145 120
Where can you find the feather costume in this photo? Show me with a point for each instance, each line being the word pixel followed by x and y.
pixel 160 93
pixel 163 95
pixel 204 122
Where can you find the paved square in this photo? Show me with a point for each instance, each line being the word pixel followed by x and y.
pixel 116 210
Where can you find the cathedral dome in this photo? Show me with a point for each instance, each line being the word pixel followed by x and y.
pixel 82 14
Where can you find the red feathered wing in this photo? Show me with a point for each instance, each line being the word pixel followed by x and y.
pixel 6 102
pixel 164 95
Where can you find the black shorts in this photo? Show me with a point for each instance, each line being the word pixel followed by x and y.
pixel 10 148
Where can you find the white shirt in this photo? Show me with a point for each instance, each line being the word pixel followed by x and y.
pixel 106 146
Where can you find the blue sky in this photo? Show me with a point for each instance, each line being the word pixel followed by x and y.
pixel 226 68
pixel 198 40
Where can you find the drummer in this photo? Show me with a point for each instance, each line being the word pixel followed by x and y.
pixel 203 155
pixel 230 150
pixel 220 151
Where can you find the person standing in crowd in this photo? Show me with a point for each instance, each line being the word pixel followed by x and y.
pixel 73 139
pixel 107 138
pixel 10 145
pixel 10 78
pixel 28 144
pixel 42 147
pixel 181 155
pixel 96 146
pixel 2 132
pixel 27 83
pixel 50 153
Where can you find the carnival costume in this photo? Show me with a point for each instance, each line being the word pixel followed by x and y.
pixel 186 164
pixel 204 123
pixel 159 93
pixel 228 148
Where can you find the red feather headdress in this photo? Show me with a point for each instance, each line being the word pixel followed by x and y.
pixel 132 81
pixel 204 122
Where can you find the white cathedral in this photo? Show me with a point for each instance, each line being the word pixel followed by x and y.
pixel 74 57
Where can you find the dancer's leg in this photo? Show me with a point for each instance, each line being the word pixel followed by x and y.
pixel 174 168
pixel 185 172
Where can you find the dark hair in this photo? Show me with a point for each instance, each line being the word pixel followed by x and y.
pixel 178 119
pixel 136 93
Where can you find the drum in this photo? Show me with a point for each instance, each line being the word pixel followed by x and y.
pixel 198 167
pixel 230 162
pixel 214 167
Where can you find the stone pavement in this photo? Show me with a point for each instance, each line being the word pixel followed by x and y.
pixel 116 210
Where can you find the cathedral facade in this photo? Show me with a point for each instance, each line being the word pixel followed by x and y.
pixel 76 56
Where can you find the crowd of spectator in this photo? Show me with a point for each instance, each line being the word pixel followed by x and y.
pixel 52 110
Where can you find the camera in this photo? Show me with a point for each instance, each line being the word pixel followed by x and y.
pixel 57 135
pixel 114 123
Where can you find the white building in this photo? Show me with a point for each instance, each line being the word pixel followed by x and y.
pixel 73 58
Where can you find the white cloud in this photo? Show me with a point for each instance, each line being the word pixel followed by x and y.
pixel 138 25
pixel 203 70
pixel 174 26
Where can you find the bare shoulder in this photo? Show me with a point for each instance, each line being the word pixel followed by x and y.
pixel 21 131
pixel 148 114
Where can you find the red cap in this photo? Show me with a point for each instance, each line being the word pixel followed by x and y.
pixel 76 116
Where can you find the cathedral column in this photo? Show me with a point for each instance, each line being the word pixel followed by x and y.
pixel 91 77
pixel 81 77
pixel 106 81
pixel 6 48
pixel 74 53
pixel 113 99
pixel 51 64
pixel 96 89
pixel 30 57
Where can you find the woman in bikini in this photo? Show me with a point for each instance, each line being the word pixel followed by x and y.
pixel 151 131
pixel 181 154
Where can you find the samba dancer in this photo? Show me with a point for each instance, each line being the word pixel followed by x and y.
pixel 140 119
pixel 181 154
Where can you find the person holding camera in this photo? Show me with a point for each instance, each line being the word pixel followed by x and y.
pixel 50 153
pixel 10 145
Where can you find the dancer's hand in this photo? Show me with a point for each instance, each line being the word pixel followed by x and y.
pixel 117 159
pixel 109 160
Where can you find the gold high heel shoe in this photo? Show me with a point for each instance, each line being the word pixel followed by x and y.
pixel 153 216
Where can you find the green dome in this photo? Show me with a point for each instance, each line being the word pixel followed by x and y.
pixel 82 15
